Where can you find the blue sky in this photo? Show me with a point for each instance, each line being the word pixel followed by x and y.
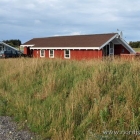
pixel 27 19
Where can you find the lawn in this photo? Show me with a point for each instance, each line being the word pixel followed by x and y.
pixel 137 49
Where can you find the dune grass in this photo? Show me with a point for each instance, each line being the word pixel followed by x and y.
pixel 72 100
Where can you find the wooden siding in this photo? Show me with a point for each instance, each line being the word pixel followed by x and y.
pixel 85 54
pixel 59 54
pixel 120 49
pixel 27 51
pixel 74 54
pixel 36 53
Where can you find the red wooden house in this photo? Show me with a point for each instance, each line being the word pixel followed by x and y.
pixel 78 46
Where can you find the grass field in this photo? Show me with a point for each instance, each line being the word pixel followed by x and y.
pixel 137 49
pixel 72 100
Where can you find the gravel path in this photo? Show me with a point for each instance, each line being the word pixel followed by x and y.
pixel 9 131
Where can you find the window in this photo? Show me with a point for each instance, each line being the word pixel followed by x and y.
pixel 111 50
pixel 42 53
pixel 51 53
pixel 67 53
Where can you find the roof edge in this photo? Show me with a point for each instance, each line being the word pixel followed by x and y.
pixel 76 35
pixel 27 45
pixel 116 35
pixel 130 49
pixel 65 48
pixel 9 46
pixel 69 36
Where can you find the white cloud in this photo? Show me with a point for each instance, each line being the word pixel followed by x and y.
pixel 31 6
pixel 37 21
pixel 75 33
pixel 37 18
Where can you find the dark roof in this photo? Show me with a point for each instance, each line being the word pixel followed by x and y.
pixel 94 40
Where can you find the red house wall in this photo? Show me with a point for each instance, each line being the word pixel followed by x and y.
pixel 74 54
pixel 36 53
pixel 85 54
pixel 59 54
pixel 47 53
pixel 120 49
pixel 25 50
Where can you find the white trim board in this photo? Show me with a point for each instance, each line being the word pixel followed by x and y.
pixel 26 45
pixel 66 48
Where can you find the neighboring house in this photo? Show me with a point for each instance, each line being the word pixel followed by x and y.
pixel 6 47
pixel 7 51
pixel 78 46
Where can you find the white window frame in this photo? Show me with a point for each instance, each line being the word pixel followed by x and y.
pixel 43 53
pixel 51 55
pixel 65 55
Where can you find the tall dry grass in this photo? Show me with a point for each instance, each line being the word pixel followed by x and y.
pixel 65 100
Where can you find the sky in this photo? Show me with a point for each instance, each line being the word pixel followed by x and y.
pixel 27 19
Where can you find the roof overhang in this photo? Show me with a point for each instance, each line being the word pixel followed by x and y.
pixel 126 45
pixel 115 36
pixel 27 45
pixel 65 48
pixel 121 41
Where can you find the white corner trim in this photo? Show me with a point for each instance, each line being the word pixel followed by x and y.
pixel 116 35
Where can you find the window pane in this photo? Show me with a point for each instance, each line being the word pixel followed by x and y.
pixel 67 53
pixel 111 50
pixel 42 52
pixel 51 53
